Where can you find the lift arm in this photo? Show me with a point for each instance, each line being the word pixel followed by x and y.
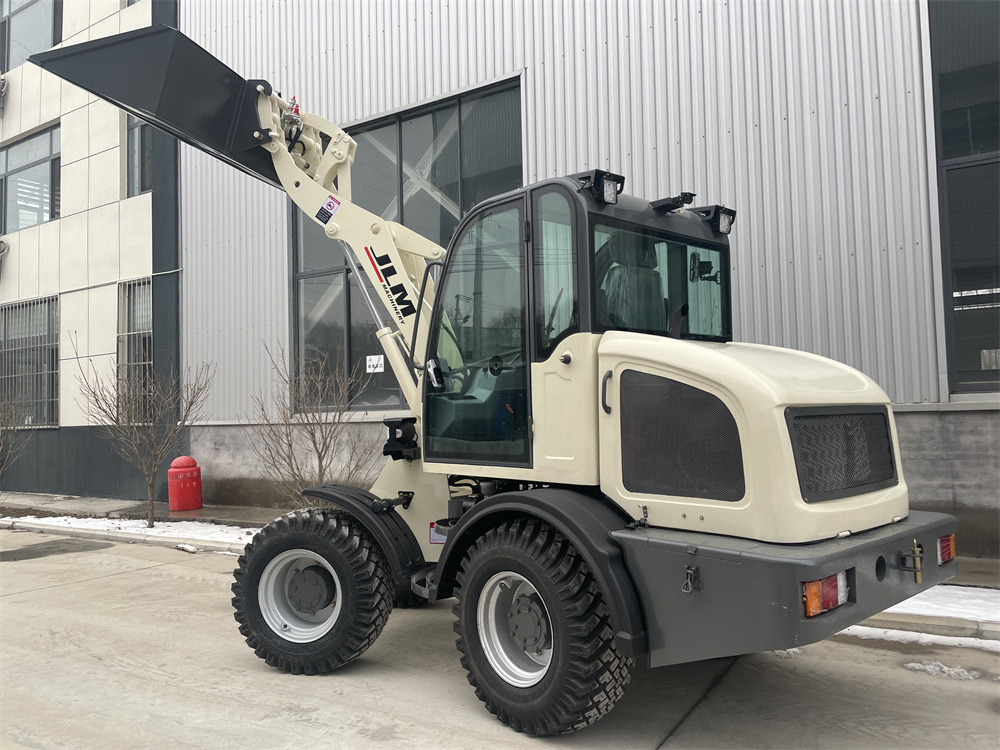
pixel 164 78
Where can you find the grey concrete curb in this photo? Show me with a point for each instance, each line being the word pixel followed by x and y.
pixel 128 537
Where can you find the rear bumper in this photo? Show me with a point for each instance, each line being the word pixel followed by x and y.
pixel 747 595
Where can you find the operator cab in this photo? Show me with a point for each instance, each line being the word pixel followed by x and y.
pixel 510 293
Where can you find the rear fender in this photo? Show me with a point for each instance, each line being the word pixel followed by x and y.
pixel 586 522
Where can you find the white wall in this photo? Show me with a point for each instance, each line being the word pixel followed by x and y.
pixel 99 238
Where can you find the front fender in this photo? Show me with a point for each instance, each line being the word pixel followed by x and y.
pixel 388 529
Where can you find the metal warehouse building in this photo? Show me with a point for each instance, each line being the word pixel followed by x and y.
pixel 859 143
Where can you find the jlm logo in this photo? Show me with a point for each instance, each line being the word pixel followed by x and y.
pixel 385 271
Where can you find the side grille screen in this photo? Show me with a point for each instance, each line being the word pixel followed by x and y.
pixel 841 454
pixel 678 440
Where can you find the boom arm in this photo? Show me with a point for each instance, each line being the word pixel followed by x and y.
pixel 312 158
pixel 164 78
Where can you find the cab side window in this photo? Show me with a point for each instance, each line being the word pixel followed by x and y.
pixel 556 314
pixel 477 411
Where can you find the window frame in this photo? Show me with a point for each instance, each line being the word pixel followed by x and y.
pixel 55 163
pixel 43 380
pixel 136 128
pixel 297 275
pixel 126 366
pixel 6 15
pixel 399 118
pixel 943 167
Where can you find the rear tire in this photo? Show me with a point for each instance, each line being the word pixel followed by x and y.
pixel 312 592
pixel 534 631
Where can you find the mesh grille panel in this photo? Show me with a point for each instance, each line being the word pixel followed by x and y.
pixel 838 455
pixel 678 440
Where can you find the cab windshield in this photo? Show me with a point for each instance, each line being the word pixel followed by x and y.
pixel 643 280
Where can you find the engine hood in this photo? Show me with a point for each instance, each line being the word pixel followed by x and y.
pixel 796 377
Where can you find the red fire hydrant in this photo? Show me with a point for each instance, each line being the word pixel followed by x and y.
pixel 184 484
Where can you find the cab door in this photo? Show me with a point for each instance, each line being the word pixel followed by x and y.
pixel 477 403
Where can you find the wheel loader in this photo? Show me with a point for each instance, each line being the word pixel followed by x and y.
pixel 591 468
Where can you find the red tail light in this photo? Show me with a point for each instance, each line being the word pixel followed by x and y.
pixel 826 594
pixel 946 549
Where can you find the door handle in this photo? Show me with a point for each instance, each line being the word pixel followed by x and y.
pixel 604 392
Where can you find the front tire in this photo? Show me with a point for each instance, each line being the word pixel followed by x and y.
pixel 312 592
pixel 534 631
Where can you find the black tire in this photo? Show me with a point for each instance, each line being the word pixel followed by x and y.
pixel 342 561
pixel 527 572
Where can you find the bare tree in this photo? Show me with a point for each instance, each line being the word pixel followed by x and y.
pixel 302 433
pixel 13 435
pixel 144 414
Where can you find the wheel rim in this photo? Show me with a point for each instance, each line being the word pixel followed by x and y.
pixel 515 629
pixel 280 610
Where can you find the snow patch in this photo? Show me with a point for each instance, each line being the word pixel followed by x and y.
pixel 965 602
pixel 186 548
pixel 787 653
pixel 938 669
pixel 922 639
pixel 189 530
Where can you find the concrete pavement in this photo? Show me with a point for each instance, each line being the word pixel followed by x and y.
pixel 117 646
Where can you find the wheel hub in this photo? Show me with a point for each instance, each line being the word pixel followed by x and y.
pixel 528 625
pixel 311 589
pixel 514 629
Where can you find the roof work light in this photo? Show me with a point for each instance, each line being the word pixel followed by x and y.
pixel 606 186
pixel 720 217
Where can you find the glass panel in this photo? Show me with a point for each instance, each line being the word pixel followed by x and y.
pixel 430 174
pixel 30 31
pixel 28 151
pixel 974 239
pixel 316 251
pixel 140 308
pixel 555 271
pixel 322 311
pixel 480 411
pixel 140 159
pixel 491 146
pixel 56 141
pixel 375 174
pixel 28 198
pixel 375 385
pixel 966 61
pixel 641 279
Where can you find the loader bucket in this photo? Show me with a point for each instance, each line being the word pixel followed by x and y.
pixel 164 78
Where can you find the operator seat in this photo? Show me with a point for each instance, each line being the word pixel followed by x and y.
pixel 632 290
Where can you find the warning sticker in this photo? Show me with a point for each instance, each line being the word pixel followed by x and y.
pixel 437 538
pixel 328 209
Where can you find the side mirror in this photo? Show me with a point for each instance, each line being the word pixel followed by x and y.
pixel 434 374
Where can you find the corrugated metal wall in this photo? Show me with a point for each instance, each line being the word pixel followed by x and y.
pixel 808 117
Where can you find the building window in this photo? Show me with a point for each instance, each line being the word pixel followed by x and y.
pixel 140 156
pixel 965 57
pixel 135 349
pixel 424 169
pixel 27 27
pixel 29 360
pixel 29 181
